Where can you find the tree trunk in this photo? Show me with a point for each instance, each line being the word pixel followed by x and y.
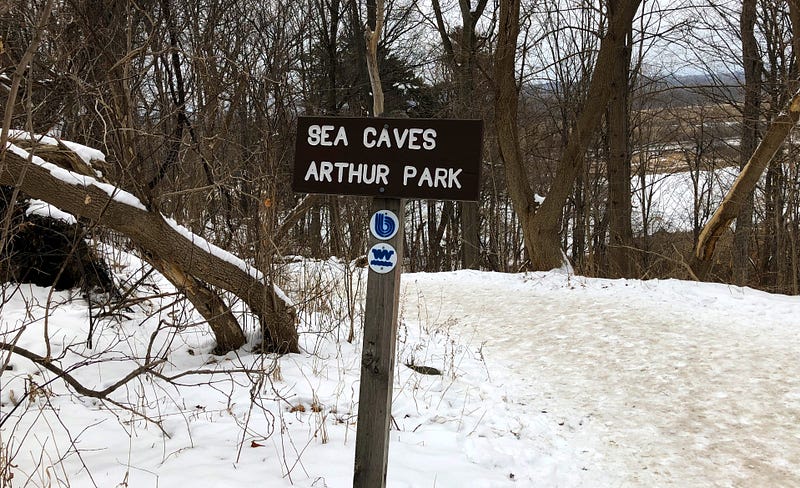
pixel 470 231
pixel 731 205
pixel 470 211
pixel 794 17
pixel 749 138
pixel 315 231
pixel 506 118
pixel 579 197
pixel 620 233
pixel 228 334
pixel 375 23
pixel 160 240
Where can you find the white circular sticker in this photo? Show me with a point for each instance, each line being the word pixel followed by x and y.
pixel 384 224
pixel 382 258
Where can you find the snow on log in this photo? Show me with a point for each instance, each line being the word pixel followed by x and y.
pixel 162 239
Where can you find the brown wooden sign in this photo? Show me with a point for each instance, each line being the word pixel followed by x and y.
pixel 381 157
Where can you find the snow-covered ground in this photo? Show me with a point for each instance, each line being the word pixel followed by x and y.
pixel 667 201
pixel 655 383
pixel 547 380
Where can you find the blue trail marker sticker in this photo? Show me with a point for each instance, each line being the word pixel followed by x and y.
pixel 382 258
pixel 383 224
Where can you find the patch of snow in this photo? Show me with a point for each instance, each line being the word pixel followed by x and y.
pixel 660 383
pixel 283 296
pixel 72 178
pixel 87 154
pixel 44 209
pixel 668 202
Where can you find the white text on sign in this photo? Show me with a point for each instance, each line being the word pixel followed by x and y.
pixel 379 174
pixel 408 138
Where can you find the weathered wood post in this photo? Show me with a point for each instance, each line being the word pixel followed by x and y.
pixel 385 259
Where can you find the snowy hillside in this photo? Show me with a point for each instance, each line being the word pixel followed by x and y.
pixel 547 380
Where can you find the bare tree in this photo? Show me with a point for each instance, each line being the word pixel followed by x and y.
pixel 752 64
pixel 461 52
pixel 781 91
pixel 541 224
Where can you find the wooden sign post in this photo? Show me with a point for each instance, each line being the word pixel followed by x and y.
pixel 377 356
pixel 390 160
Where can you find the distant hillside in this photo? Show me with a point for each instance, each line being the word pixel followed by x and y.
pixel 667 90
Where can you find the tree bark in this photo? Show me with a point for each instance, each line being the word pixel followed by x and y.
pixel 774 138
pixel 471 232
pixel 794 18
pixel 506 117
pixel 620 233
pixel 161 241
pixel 749 138
pixel 375 28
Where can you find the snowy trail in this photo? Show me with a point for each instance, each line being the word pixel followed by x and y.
pixel 655 386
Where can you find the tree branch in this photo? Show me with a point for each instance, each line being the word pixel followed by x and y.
pixel 70 380
pixel 296 213
pixel 442 28
pixel 22 66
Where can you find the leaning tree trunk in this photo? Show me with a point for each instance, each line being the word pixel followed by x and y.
pixel 744 185
pixel 223 324
pixel 184 257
